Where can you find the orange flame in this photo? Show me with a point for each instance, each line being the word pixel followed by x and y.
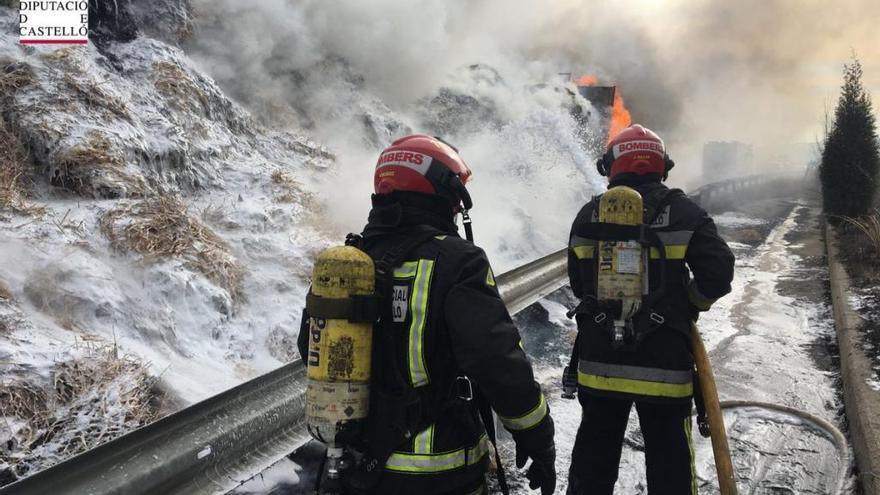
pixel 587 80
pixel 620 117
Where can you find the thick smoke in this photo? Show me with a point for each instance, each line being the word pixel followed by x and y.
pixel 356 74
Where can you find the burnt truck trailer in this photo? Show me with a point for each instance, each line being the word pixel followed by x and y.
pixel 595 122
pixel 602 99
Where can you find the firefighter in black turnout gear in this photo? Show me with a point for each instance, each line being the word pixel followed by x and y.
pixel 647 359
pixel 445 349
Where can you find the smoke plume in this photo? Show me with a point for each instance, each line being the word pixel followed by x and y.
pixel 755 71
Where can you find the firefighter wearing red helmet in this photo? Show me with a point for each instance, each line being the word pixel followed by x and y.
pixel 446 353
pixel 651 366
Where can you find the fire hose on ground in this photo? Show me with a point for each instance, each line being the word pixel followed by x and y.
pixel 720 447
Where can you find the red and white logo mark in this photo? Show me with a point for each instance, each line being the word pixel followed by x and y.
pixel 408 159
pixel 634 146
pixel 63 22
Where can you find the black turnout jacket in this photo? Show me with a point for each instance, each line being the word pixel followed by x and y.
pixel 448 322
pixel 698 270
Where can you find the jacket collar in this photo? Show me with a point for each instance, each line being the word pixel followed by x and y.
pixel 635 180
pixel 402 211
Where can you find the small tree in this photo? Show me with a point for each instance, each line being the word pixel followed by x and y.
pixel 850 158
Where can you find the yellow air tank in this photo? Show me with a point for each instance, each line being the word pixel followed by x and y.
pixel 339 350
pixel 621 263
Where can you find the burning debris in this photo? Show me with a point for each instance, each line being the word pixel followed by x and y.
pixel 609 100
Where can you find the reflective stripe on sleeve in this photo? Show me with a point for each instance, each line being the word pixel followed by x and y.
pixel 583 248
pixel 673 252
pixel 676 237
pixel 584 252
pixel 490 277
pixel 406 270
pixel 636 380
pixel 527 420
pixel 697 298
pixel 675 242
pixel 418 305
pixel 437 463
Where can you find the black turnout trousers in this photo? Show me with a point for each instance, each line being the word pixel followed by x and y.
pixel 669 454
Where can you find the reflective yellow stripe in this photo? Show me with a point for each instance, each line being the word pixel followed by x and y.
pixel 702 302
pixel 584 252
pixel 441 237
pixel 527 420
pixel 418 305
pixel 636 387
pixel 490 278
pixel 642 373
pixel 436 463
pixel 687 431
pixel 673 252
pixel 406 270
pixel 424 441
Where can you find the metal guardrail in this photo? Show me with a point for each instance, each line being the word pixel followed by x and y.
pixel 213 446
pixel 531 282
pixel 723 194
pixel 710 194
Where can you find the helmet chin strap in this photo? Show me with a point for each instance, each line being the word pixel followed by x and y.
pixel 458 188
pixel 468 229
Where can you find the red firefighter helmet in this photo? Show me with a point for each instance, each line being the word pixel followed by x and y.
pixel 636 150
pixel 425 164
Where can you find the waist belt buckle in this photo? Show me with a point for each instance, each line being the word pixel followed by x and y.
pixel 600 318
pixel 657 318
pixel 464 389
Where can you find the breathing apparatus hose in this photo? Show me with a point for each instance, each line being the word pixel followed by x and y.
pixel 720 446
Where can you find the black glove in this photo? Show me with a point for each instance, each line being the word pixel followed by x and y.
pixel 537 443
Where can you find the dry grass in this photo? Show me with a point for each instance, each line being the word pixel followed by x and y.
pixel 162 227
pixel 88 401
pixel 287 189
pixel 94 158
pixel 16 164
pixel 96 97
pixel 13 165
pixel 869 226
pixel 176 84
pixel 5 292
pixel 94 152
pixel 69 56
pixel 14 77
pixel 15 161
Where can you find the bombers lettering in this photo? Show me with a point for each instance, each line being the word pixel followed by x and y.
pixel 639 146
pixel 402 156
